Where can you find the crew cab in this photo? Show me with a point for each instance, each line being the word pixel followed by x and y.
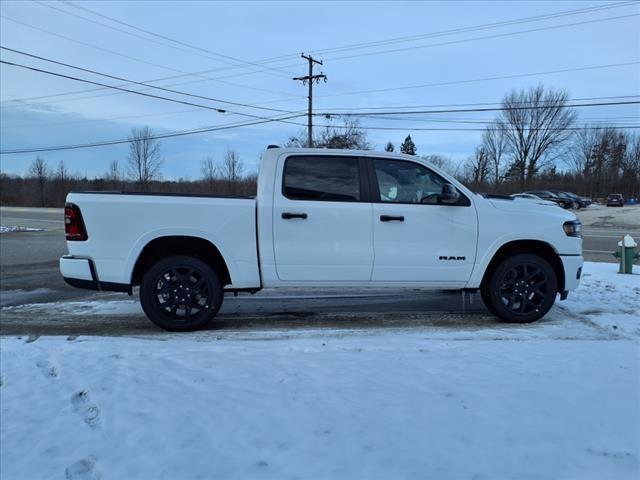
pixel 323 218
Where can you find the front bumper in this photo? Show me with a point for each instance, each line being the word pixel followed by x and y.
pixel 80 272
pixel 572 265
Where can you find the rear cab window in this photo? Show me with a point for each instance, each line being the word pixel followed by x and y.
pixel 323 178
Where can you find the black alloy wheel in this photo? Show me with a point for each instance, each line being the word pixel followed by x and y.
pixel 522 288
pixel 181 293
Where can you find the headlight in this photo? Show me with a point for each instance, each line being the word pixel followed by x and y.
pixel 573 228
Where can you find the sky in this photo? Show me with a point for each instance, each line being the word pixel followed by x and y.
pixel 376 55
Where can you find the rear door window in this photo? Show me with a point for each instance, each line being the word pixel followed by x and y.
pixel 322 178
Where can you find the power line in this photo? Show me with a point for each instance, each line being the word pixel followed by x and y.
pixel 184 102
pixel 486 37
pixel 239 125
pixel 473 104
pixel 368 114
pixel 485 79
pixel 129 57
pixel 205 79
pixel 458 30
pixel 395 40
pixel 483 109
pixel 453 82
pixel 210 55
pixel 191 110
pixel 472 28
pixel 78 122
pixel 449 32
pixel 141 83
pixel 625 120
pixel 631 127
pixel 151 137
pixel 178 42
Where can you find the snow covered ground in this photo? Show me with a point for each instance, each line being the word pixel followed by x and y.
pixel 8 229
pixel 556 399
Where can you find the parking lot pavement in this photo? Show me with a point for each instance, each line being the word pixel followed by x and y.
pixel 29 260
pixel 603 227
pixel 29 276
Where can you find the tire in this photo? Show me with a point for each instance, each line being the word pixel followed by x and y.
pixel 521 289
pixel 486 299
pixel 167 293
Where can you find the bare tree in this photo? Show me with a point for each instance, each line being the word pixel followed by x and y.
pixel 40 171
pixel 231 170
pixel 349 136
pixel 535 122
pixel 580 149
pixel 598 157
pixel 443 163
pixel 62 174
pixel 62 180
pixel 477 167
pixel 144 158
pixel 209 172
pixel 114 175
pixel 631 165
pixel 494 142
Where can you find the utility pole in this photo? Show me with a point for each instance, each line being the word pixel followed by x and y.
pixel 309 80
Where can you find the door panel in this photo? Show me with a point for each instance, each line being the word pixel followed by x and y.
pixel 416 239
pixel 322 228
pixel 411 250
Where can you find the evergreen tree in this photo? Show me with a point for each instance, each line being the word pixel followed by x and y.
pixel 389 147
pixel 408 146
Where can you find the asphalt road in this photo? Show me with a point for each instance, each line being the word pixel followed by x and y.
pixel 29 275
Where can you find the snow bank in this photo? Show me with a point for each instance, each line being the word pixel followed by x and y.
pixel 8 229
pixel 605 298
pixel 376 406
pixel 554 399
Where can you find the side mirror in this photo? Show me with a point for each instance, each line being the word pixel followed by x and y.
pixel 449 194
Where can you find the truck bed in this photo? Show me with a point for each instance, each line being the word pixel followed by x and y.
pixel 145 216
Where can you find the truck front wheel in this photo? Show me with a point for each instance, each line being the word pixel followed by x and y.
pixel 521 289
pixel 181 293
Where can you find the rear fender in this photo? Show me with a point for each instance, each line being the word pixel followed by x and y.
pixel 143 241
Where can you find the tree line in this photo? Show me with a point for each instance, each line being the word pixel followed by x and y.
pixel 534 142
pixel 47 186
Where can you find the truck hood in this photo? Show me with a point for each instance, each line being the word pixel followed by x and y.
pixel 529 207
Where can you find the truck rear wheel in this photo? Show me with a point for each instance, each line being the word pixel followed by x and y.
pixel 521 289
pixel 181 293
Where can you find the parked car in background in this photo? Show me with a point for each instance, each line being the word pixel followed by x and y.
pixel 587 200
pixel 552 197
pixel 615 200
pixel 579 201
pixel 535 198
pixel 574 203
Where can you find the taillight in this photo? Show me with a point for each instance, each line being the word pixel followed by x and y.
pixel 73 224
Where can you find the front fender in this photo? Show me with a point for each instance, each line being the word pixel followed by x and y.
pixel 483 261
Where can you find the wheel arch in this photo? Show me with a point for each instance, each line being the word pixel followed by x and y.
pixel 170 245
pixel 536 247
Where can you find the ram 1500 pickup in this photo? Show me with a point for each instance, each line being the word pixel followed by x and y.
pixel 323 218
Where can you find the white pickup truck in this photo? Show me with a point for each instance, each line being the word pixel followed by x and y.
pixel 323 218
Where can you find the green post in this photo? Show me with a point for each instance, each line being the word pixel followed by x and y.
pixel 627 254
